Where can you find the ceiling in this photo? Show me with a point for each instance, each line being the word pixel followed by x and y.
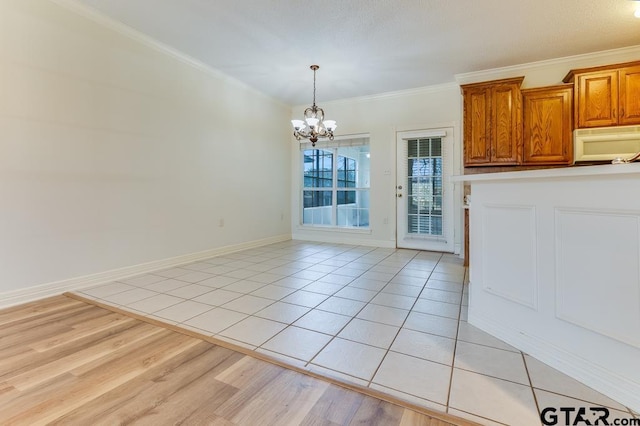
pixel 366 47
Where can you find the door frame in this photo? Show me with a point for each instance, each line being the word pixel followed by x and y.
pixel 450 202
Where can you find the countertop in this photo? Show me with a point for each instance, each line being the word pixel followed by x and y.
pixel 564 172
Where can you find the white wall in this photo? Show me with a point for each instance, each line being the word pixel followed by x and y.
pixel 116 153
pixel 381 117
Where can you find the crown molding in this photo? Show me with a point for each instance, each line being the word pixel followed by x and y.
pixel 604 56
pixel 126 31
pixel 391 95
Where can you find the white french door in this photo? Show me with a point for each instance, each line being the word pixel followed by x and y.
pixel 424 192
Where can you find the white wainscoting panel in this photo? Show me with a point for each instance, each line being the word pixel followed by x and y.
pixel 598 271
pixel 567 241
pixel 509 233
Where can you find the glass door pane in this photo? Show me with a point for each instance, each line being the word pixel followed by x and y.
pixel 424 186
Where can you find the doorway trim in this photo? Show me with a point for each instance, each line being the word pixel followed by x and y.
pixel 450 206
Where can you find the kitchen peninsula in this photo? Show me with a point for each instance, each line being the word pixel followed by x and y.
pixel 555 269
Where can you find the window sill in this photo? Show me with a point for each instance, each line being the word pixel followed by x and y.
pixel 336 229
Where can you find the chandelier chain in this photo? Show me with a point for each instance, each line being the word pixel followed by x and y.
pixel 314 87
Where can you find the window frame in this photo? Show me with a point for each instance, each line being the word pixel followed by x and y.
pixel 334 149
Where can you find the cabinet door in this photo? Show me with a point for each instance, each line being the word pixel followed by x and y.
pixel 547 125
pixel 597 99
pixel 476 126
pixel 629 95
pixel 505 123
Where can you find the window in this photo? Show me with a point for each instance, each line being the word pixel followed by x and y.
pixel 425 186
pixel 336 184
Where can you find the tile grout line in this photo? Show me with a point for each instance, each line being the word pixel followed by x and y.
pixel 187 283
pixel 292 258
pixel 481 417
pixel 455 346
pixel 354 316
pixel 348 322
pixel 533 392
pixel 405 319
pixel 245 294
pixel 227 285
pixel 271 304
pixel 213 289
pixel 306 365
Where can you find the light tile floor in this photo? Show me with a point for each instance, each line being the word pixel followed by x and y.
pixel 392 320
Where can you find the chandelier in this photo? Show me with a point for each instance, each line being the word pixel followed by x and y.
pixel 314 125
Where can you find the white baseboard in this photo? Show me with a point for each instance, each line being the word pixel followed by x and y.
pixel 16 297
pixel 595 376
pixel 342 238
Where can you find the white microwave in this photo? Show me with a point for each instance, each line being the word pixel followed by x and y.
pixel 605 143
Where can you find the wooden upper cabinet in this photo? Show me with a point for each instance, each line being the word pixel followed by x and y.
pixel 606 96
pixel 629 83
pixel 547 135
pixel 598 99
pixel 477 104
pixel 507 108
pixel 492 122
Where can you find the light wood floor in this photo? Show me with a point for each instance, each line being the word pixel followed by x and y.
pixel 63 361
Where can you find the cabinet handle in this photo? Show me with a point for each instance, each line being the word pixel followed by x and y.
pixel 621 112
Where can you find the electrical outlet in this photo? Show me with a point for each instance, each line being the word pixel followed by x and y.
pixel 385 220
pixel 221 223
